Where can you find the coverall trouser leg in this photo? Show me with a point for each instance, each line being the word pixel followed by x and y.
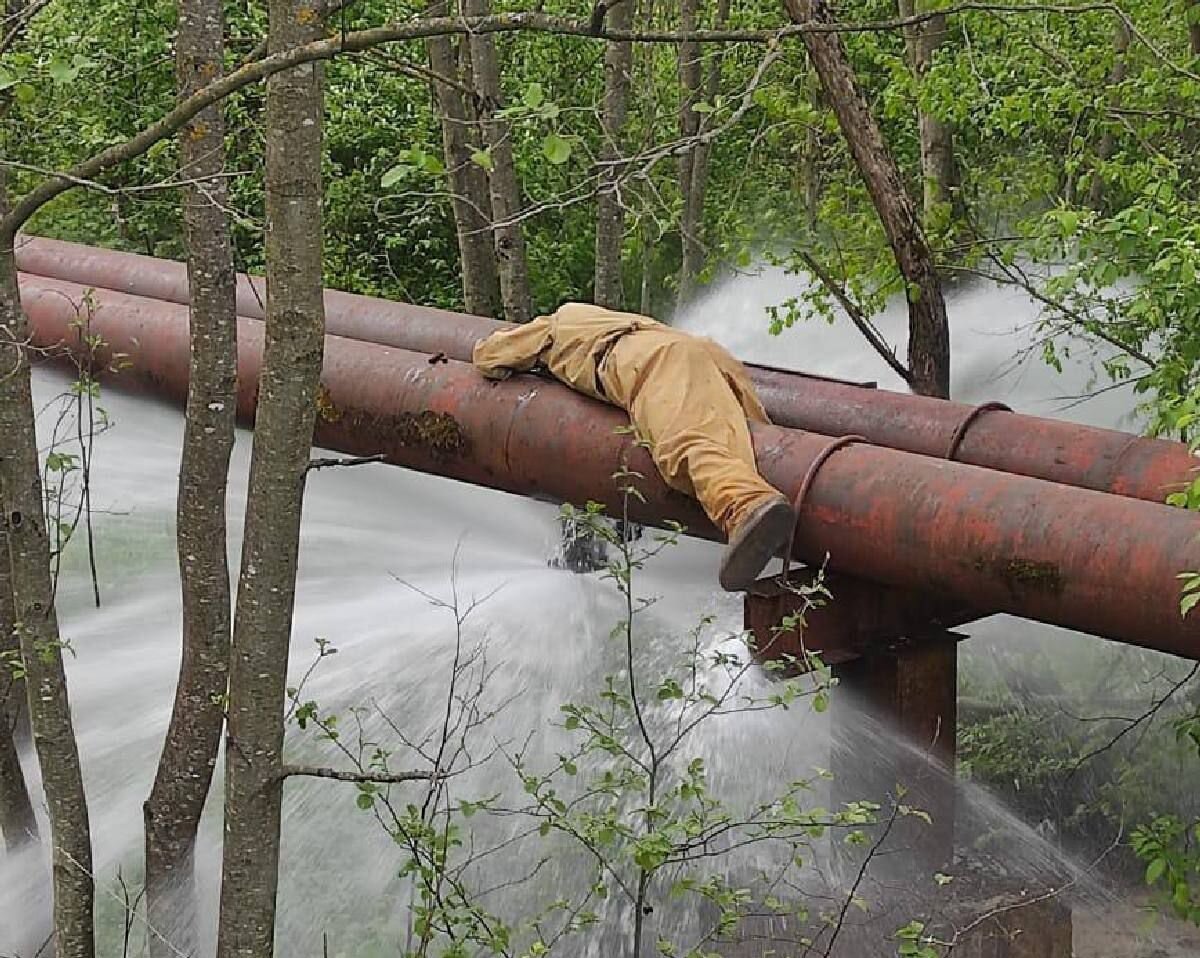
pixel 691 409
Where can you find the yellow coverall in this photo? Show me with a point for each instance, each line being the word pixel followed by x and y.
pixel 685 395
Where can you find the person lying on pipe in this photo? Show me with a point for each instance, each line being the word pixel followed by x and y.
pixel 687 398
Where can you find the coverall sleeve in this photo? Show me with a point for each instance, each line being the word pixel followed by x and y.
pixel 512 350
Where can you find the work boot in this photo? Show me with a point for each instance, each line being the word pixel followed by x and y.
pixel 755 543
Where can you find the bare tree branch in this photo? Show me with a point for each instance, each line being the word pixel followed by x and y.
pixel 858 317
pixel 1140 720
pixel 315 464
pixel 20 21
pixel 379 778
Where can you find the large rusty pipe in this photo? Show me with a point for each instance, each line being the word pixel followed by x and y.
pixel 1100 459
pixel 1085 560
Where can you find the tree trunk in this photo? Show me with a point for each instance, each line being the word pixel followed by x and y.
pixel 1108 142
pixel 1194 27
pixel 697 176
pixel 691 252
pixel 23 519
pixel 18 824
pixel 185 770
pixel 939 175
pixel 469 197
pixel 928 329
pixel 810 175
pixel 650 239
pixel 288 385
pixel 17 821
pixel 509 237
pixel 610 213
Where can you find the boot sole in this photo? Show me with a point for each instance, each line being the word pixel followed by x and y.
pixel 763 538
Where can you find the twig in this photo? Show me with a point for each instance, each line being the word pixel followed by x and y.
pixel 22 18
pixel 315 464
pixel 1140 720
pixel 859 318
pixel 859 878
pixel 378 778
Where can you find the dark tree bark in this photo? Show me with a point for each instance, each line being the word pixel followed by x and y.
pixel 505 188
pixel 939 174
pixel 1108 142
pixel 928 328
pixel 470 199
pixel 18 823
pixel 185 769
pixel 1194 28
pixel 610 212
pixel 23 520
pixel 295 328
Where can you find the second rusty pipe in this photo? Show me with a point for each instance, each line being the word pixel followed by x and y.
pixel 1101 459
pixel 1085 560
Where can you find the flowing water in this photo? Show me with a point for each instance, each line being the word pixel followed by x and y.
pixel 369 530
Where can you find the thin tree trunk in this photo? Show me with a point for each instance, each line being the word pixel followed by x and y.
pixel 1108 142
pixel 23 519
pixel 185 770
pixel 509 236
pixel 295 328
pixel 1194 28
pixel 610 211
pixel 17 820
pixel 690 78
pixel 694 199
pixel 929 332
pixel 939 175
pixel 649 241
pixel 469 197
pixel 811 161
pixel 18 823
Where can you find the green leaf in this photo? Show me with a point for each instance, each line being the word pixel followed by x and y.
pixel 702 107
pixel 6 79
pixel 60 462
pixel 1155 870
pixel 364 800
pixel 158 149
pixel 1188 602
pixel 535 96
pixel 394 175
pixel 430 163
pixel 61 71
pixel 484 159
pixel 556 149
pixel 670 689
pixel 25 93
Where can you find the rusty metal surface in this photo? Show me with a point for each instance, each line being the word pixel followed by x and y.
pixel 1085 560
pixel 1100 459
pixel 862 617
